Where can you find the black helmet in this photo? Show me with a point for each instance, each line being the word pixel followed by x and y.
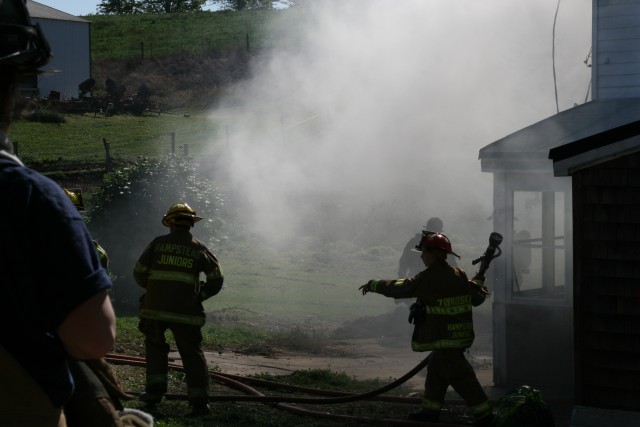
pixel 23 47
pixel 434 224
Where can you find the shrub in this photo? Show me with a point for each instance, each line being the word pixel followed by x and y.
pixel 46 117
pixel 125 214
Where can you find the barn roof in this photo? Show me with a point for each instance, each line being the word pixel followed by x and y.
pixel 39 10
pixel 528 149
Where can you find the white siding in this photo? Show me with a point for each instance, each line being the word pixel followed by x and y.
pixel 616 49
pixel 70 45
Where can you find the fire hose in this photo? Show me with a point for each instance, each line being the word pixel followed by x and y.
pixel 280 402
pixel 339 397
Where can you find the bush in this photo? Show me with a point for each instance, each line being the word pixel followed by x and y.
pixel 125 214
pixel 46 117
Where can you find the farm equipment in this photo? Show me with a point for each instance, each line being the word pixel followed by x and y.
pixel 116 100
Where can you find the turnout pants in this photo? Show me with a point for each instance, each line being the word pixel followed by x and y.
pixel 189 342
pixel 450 367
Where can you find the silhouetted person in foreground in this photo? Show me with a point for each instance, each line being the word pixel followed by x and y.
pixel 54 291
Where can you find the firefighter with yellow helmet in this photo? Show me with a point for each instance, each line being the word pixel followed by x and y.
pixel 169 270
pixel 76 198
pixel 443 321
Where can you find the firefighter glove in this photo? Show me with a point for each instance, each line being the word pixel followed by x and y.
pixel 478 279
pixel 479 292
pixel 417 313
pixel 365 288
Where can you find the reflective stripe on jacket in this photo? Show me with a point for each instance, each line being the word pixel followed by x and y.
pixel 169 269
pixel 444 291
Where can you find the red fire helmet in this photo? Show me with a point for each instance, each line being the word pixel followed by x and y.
pixel 432 240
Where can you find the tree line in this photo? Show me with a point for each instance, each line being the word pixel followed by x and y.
pixel 125 7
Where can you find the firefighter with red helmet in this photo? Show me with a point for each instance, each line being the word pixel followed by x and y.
pixel 169 269
pixel 443 321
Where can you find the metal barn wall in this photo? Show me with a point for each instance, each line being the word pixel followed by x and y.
pixel 606 206
pixel 70 45
pixel 616 49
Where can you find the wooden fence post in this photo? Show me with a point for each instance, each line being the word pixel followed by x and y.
pixel 15 147
pixel 107 154
pixel 173 143
pixel 185 148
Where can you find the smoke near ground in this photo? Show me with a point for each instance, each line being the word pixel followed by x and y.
pixel 372 123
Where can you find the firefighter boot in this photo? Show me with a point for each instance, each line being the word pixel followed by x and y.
pixel 150 398
pixel 199 409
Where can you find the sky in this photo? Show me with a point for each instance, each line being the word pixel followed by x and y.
pixel 74 7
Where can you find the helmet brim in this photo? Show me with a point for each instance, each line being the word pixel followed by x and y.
pixel 418 249
pixel 167 220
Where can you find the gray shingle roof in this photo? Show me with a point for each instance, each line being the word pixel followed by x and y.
pixel 528 148
pixel 39 10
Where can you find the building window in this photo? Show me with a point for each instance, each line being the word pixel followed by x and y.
pixel 539 255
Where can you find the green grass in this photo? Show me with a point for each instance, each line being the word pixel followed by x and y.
pixel 80 139
pixel 244 337
pixel 126 36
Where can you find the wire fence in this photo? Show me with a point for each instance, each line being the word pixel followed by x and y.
pixel 158 48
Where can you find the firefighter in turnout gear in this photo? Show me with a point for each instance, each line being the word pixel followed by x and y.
pixel 443 321
pixel 169 269
pixel 410 263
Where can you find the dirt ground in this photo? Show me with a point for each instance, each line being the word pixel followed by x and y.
pixel 366 358
pixel 384 358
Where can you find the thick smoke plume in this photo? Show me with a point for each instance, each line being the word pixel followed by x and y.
pixel 373 121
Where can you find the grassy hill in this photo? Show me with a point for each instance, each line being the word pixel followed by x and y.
pixel 187 59
pixel 123 37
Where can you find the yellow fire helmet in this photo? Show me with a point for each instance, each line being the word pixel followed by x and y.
pixel 75 196
pixel 180 214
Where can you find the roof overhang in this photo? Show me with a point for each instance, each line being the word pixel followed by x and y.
pixel 41 11
pixel 596 149
pixel 528 150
